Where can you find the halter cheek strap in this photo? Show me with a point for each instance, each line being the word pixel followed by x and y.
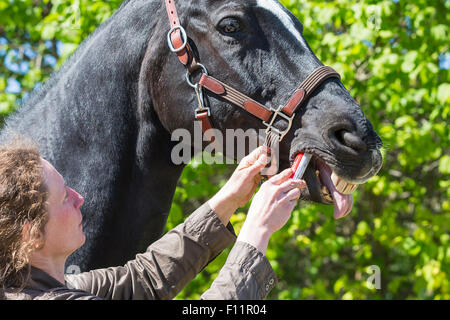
pixel 177 38
pixel 178 43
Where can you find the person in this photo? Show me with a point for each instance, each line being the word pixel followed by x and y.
pixel 41 225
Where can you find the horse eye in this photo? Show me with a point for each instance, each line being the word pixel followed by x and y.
pixel 229 25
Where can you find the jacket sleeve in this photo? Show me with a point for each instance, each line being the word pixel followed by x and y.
pixel 246 275
pixel 168 264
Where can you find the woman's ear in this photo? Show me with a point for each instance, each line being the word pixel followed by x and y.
pixel 32 237
pixel 26 232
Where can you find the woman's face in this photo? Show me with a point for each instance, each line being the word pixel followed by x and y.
pixel 63 231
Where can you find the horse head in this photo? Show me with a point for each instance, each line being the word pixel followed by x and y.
pixel 257 46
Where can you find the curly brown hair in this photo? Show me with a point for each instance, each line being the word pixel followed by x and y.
pixel 23 210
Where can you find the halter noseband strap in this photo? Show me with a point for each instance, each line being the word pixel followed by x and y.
pixel 178 43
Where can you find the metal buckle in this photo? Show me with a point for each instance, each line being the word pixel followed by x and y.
pixel 201 104
pixel 183 35
pixel 200 110
pixel 276 113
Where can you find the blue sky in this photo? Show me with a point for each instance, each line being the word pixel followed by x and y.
pixel 12 61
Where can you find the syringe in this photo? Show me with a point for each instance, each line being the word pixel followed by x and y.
pixel 300 164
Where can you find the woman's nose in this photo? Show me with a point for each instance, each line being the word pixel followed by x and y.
pixel 78 199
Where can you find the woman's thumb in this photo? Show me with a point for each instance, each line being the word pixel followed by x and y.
pixel 260 163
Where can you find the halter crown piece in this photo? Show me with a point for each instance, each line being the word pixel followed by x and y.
pixel 178 43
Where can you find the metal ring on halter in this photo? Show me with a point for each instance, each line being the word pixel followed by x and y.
pixel 188 76
pixel 183 35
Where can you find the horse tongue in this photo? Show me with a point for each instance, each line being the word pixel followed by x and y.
pixel 343 203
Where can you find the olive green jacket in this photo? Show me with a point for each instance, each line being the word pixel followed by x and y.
pixel 167 266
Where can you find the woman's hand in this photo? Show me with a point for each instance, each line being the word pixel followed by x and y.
pixel 240 187
pixel 270 210
pixel 246 178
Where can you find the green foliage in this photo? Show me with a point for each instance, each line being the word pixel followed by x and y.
pixel 388 53
pixel 33 30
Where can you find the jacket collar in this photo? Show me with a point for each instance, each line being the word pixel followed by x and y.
pixel 42 281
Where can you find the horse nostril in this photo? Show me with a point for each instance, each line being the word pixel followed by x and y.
pixel 351 140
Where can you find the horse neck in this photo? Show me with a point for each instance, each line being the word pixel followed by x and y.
pixel 87 122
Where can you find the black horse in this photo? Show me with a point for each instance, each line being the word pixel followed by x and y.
pixel 105 119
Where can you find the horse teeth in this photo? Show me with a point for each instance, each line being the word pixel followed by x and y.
pixel 342 185
pixel 326 194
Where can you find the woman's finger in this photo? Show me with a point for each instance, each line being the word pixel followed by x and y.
pixel 257 179
pixel 290 184
pixel 281 177
pixel 259 165
pixel 251 158
pixel 292 195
